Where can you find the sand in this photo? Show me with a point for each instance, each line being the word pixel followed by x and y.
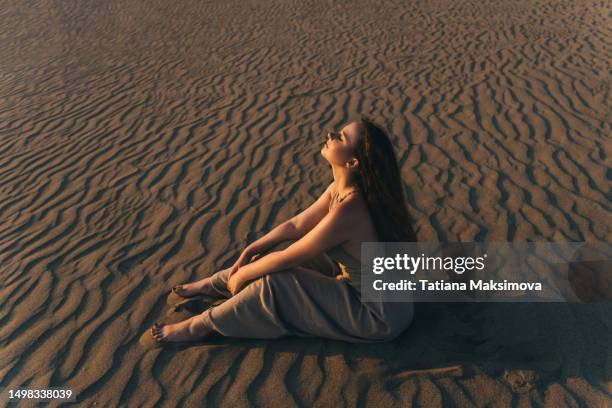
pixel 144 145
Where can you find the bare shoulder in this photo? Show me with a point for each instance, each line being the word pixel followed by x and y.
pixel 353 205
pixel 355 216
pixel 352 221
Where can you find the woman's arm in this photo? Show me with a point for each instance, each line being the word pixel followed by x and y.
pixel 280 233
pixel 334 229
pixel 293 229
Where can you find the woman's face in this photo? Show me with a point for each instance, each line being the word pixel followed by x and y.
pixel 339 147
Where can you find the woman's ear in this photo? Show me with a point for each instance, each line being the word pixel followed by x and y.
pixel 353 163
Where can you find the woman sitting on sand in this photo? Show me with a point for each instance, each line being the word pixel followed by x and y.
pixel 303 277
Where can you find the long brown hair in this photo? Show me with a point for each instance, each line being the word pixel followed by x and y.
pixel 378 178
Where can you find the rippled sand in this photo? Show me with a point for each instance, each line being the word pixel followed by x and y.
pixel 144 145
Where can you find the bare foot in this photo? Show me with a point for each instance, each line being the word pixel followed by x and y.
pixel 187 290
pixel 188 330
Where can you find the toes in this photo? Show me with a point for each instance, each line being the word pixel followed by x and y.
pixel 158 335
pixel 156 328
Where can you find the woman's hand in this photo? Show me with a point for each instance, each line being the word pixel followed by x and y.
pixel 235 284
pixel 245 258
pixel 233 269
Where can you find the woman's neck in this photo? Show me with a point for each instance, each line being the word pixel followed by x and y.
pixel 344 181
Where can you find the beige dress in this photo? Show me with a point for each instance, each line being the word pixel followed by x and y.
pixel 320 298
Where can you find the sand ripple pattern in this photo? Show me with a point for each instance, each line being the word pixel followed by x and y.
pixel 144 144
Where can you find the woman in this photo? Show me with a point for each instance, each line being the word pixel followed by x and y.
pixel 310 287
